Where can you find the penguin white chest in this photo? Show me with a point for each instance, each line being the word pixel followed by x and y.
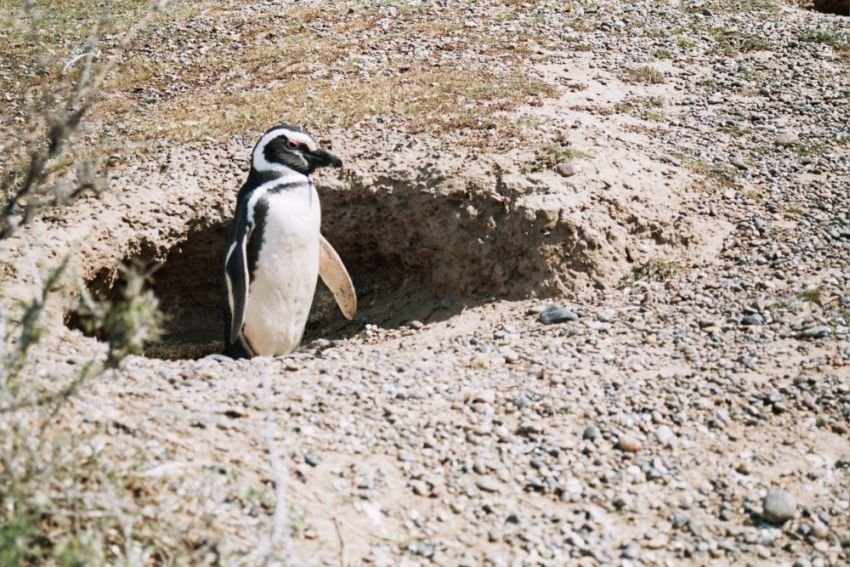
pixel 285 275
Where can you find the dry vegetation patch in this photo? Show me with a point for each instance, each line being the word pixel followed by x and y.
pixel 206 70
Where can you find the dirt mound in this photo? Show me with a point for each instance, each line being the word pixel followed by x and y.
pixel 419 232
pixel 425 227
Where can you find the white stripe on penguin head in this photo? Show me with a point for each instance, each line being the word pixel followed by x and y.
pixel 258 158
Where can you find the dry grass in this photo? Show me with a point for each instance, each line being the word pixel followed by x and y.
pixel 743 6
pixel 550 155
pixel 732 42
pixel 207 72
pixel 435 100
pixel 720 174
pixel 645 108
pixel 652 270
pixel 834 37
pixel 646 75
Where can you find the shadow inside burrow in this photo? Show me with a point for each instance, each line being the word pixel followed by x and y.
pixel 188 285
pixel 416 249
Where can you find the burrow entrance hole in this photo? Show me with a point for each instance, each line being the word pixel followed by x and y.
pixel 188 285
pixel 414 251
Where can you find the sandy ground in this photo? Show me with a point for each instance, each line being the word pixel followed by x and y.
pixel 447 424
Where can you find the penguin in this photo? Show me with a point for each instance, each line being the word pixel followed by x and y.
pixel 276 252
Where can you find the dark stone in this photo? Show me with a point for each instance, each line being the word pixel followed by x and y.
pixel 591 433
pixel 555 314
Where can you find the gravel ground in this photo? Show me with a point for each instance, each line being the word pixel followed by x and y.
pixel 696 413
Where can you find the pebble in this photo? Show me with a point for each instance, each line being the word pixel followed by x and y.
pixel 629 444
pixel 591 433
pixel 819 530
pixel 680 520
pixel 488 484
pixel 566 169
pixel 779 506
pixel 739 163
pixel 606 316
pixel 817 332
pixel 484 397
pixel 665 435
pixel 787 139
pixel 555 314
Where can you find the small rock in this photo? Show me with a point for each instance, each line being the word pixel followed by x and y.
pixel 739 163
pixel 628 443
pixel 573 487
pixel 311 459
pixel 591 433
pixel 768 538
pixel 680 520
pixel 488 484
pixel 484 397
pixel 752 320
pixel 606 316
pixel 779 506
pixel 818 332
pixel 418 394
pixel 664 435
pixel 787 138
pixel 555 314
pixel 566 169
pixel 819 530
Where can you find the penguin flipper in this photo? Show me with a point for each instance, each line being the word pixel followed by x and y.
pixel 336 277
pixel 237 278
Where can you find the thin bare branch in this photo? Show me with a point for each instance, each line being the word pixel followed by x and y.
pixel 62 116
pixel 340 540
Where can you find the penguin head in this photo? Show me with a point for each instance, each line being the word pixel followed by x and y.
pixel 288 147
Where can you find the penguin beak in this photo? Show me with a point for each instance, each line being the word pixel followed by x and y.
pixel 322 158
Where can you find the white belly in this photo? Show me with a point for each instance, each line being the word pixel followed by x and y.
pixel 286 273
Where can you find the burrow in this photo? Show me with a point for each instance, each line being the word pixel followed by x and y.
pixel 418 248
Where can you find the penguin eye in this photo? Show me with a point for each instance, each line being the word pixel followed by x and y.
pixel 292 145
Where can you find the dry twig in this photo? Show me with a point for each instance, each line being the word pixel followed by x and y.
pixel 50 124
